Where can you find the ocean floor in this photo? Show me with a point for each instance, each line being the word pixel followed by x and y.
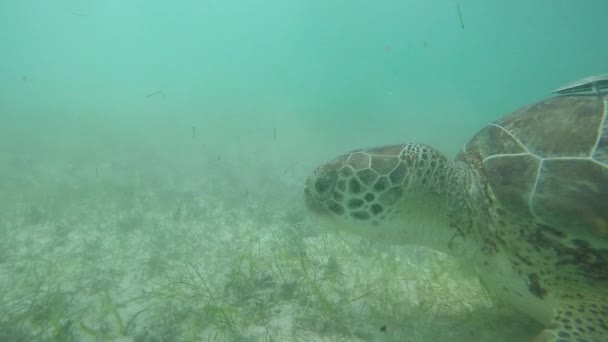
pixel 104 261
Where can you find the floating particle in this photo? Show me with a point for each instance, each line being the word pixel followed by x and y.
pixel 460 15
pixel 154 93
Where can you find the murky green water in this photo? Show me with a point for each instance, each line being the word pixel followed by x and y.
pixel 152 156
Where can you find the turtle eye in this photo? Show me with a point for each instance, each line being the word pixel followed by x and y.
pixel 325 181
pixel 322 184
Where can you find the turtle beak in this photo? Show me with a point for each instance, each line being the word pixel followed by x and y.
pixel 319 188
pixel 313 204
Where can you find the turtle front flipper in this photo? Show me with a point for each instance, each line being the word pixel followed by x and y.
pixel 578 321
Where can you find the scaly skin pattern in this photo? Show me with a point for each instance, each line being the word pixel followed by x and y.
pixel 525 204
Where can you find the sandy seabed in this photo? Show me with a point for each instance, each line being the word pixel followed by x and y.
pixel 100 261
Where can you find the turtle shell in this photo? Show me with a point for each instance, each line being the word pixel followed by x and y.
pixel 548 162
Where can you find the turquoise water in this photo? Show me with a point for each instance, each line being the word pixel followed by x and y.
pixel 122 121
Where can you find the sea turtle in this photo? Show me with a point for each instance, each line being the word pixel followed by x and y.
pixel 525 203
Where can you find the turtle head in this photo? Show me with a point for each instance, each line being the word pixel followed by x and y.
pixel 319 189
pixel 364 189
